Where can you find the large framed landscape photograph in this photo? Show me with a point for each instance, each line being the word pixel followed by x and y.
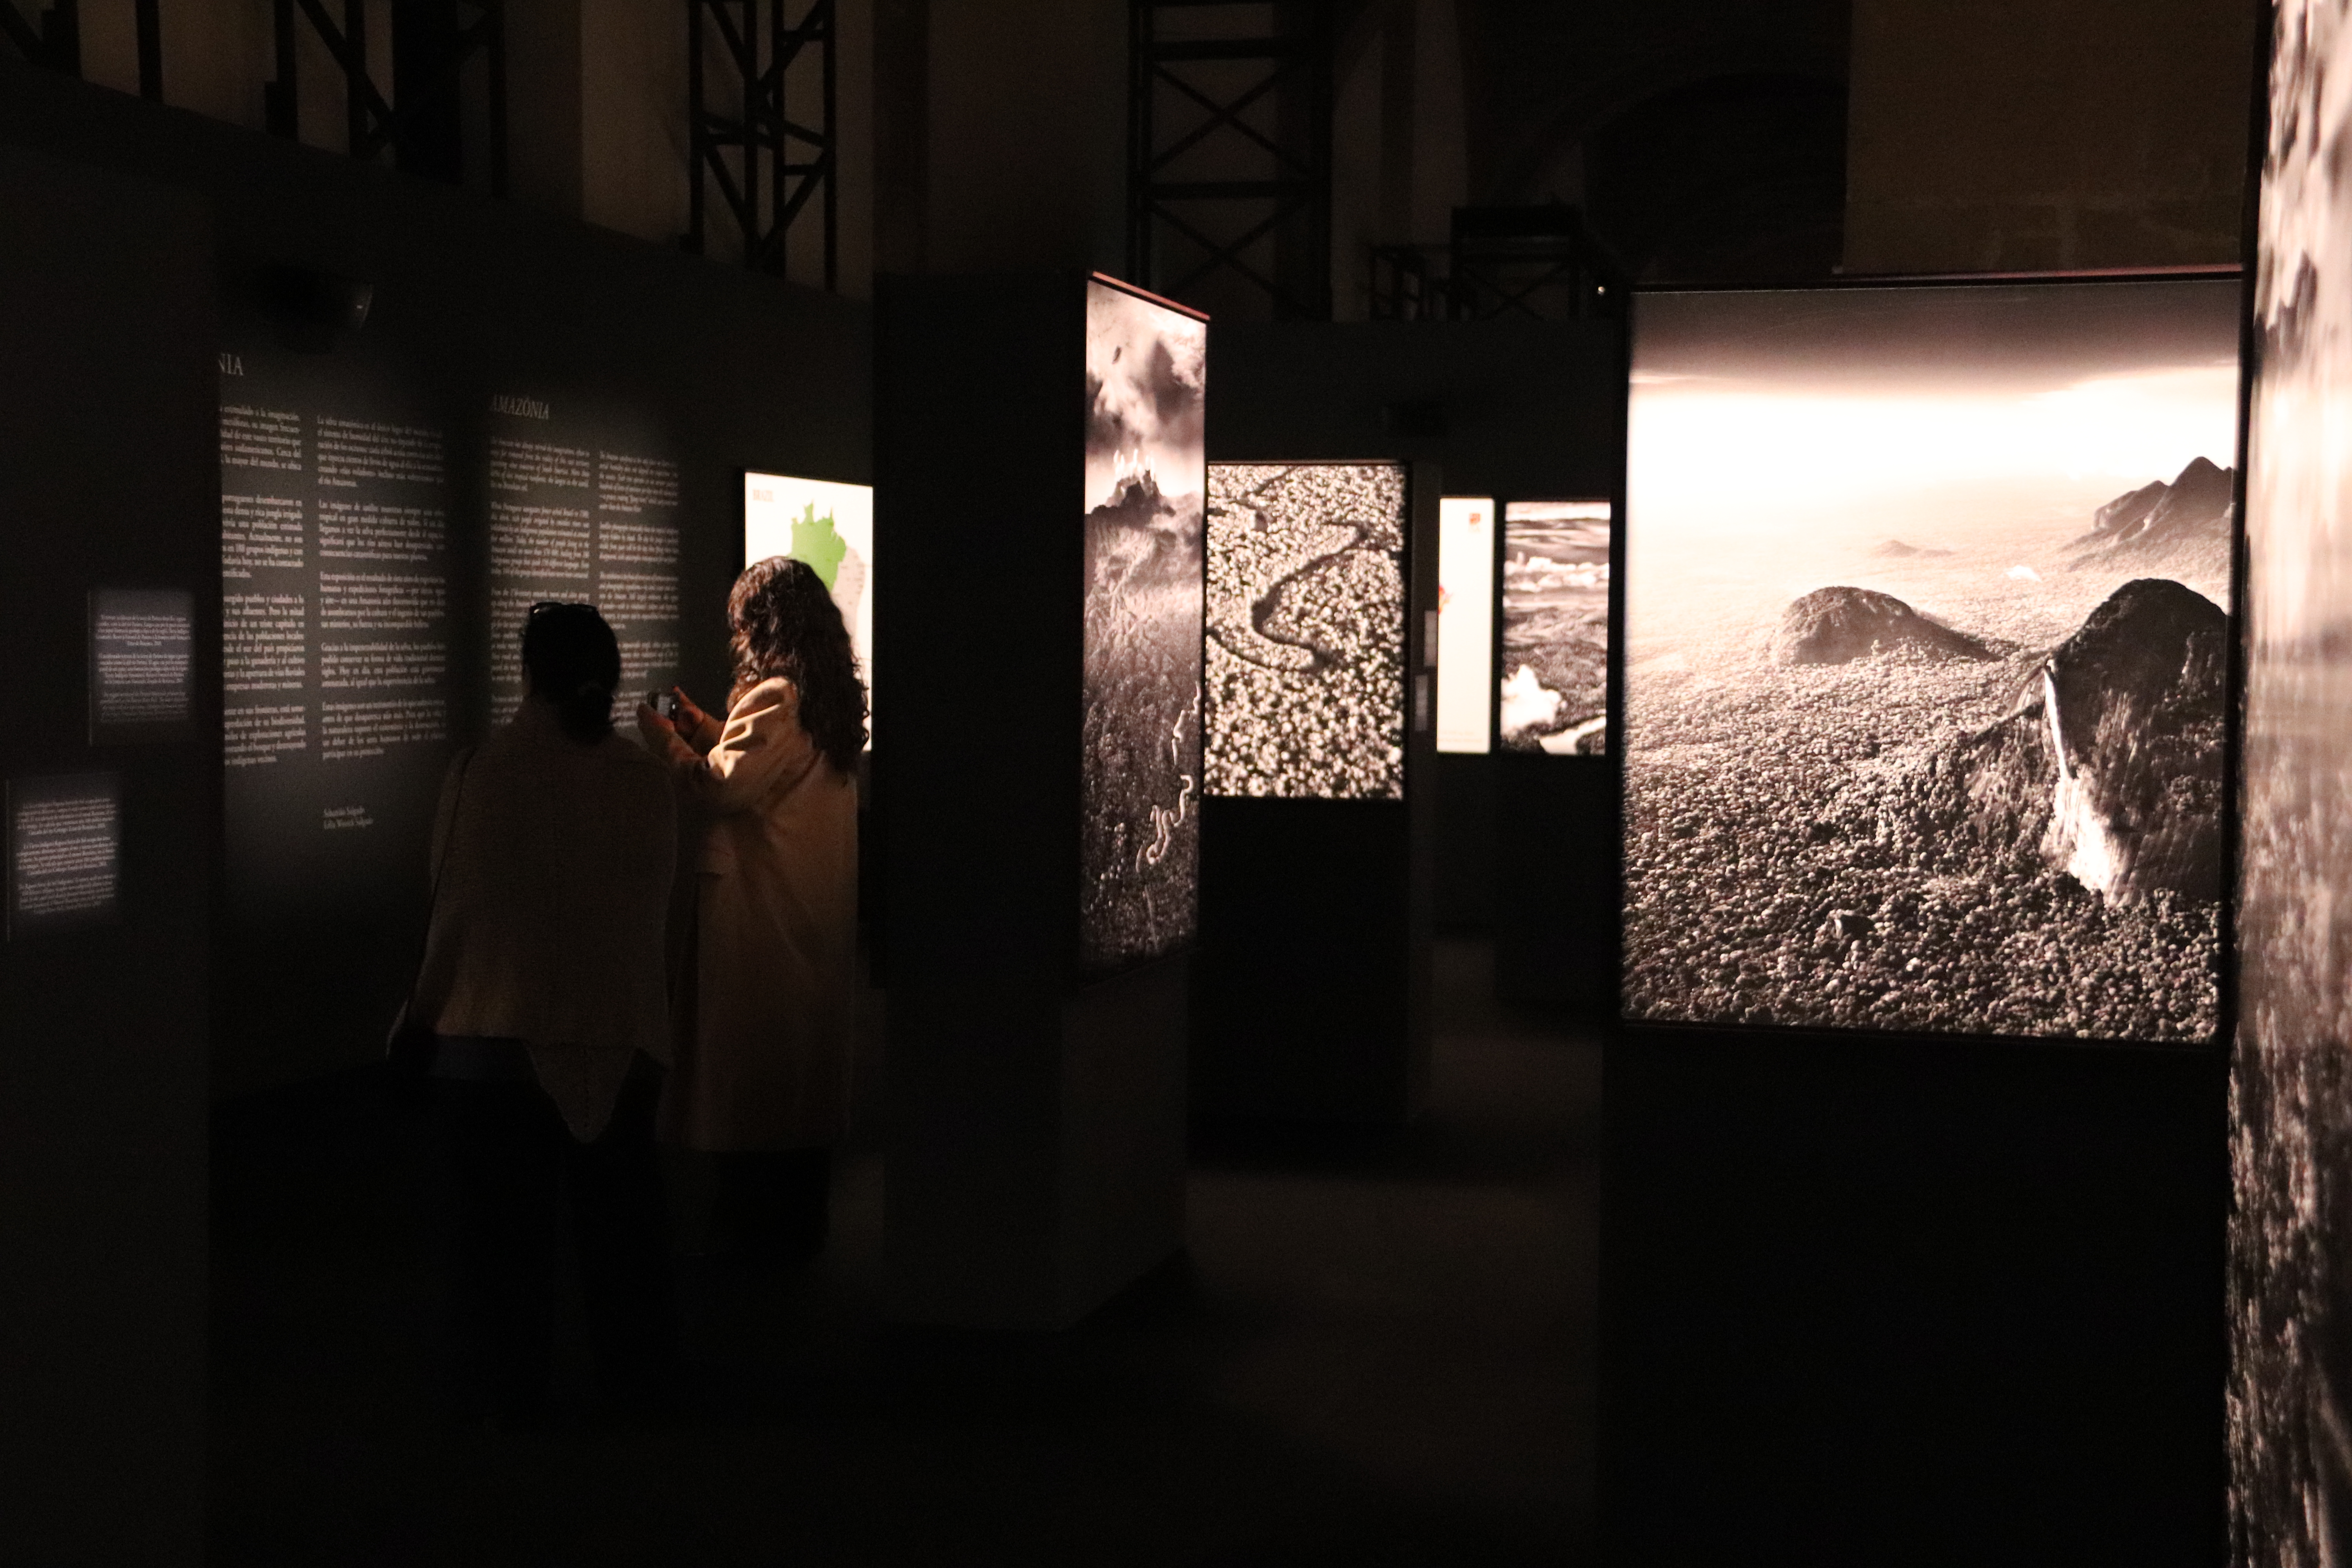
pixel 1925 651
pixel 1145 482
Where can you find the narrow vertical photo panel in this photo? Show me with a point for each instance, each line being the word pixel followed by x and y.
pixel 2290 1253
pixel 1466 623
pixel 1145 483
pixel 831 527
pixel 1554 696
pixel 1925 649
pixel 1307 633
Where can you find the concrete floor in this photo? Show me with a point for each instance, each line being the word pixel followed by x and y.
pixel 1379 1350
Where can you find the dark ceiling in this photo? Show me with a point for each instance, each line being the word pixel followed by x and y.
pixel 1708 138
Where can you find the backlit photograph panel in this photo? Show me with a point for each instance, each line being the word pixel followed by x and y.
pixel 1465 624
pixel 1145 480
pixel 1555 683
pixel 1926 643
pixel 1306 649
pixel 831 527
pixel 2290 1253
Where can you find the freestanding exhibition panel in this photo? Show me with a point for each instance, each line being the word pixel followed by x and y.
pixel 1311 998
pixel 1039 489
pixel 1557 799
pixel 1916 1130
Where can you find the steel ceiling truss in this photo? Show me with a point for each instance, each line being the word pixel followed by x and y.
pixel 1230 221
pixel 739 124
pixel 374 124
pixel 52 39
pixel 1542 263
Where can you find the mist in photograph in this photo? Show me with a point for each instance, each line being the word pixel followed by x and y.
pixel 1926 643
pixel 1555 672
pixel 2290 1255
pixel 1306 651
pixel 1145 559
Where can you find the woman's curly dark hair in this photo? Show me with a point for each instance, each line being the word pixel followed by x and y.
pixel 782 620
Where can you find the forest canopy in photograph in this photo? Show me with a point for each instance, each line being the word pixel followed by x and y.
pixel 1306 653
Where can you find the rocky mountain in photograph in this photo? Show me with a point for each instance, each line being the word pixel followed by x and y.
pixel 1895 550
pixel 1838 625
pixel 2157 518
pixel 1141 538
pixel 2109 764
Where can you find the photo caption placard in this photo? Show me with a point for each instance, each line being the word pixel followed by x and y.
pixel 142 642
pixel 65 853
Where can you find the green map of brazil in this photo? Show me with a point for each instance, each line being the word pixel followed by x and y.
pixel 818 542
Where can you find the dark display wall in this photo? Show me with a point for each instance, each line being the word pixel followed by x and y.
pixel 1925 635
pixel 2290 1318
pixel 1958 1303
pixel 589 405
pixel 109 615
pixel 1305 652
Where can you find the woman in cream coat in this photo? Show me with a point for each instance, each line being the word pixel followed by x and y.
pixel 765 1014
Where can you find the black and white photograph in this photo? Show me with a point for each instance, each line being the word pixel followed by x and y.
pixel 1145 482
pixel 1926 645
pixel 1306 649
pixel 2290 1257
pixel 1554 691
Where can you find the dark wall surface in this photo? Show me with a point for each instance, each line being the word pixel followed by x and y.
pixel 1911 1301
pixel 472 299
pixel 106 480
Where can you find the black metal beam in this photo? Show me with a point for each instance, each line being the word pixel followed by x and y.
pixel 53 39
pixel 149 17
pixel 737 122
pixel 1270 232
pixel 419 124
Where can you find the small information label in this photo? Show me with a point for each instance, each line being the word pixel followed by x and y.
pixel 141 643
pixel 65 852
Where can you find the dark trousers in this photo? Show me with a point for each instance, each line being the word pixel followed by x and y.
pixel 517 1170
pixel 775 1205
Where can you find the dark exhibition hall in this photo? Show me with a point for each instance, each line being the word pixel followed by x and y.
pixel 1653 867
